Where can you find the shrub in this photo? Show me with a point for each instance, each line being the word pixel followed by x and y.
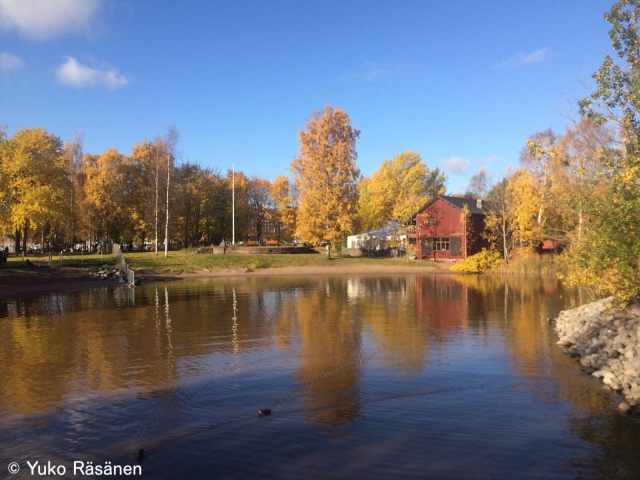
pixel 479 262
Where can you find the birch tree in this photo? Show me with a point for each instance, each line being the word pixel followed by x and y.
pixel 171 139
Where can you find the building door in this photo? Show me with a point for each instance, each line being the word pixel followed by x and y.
pixel 425 246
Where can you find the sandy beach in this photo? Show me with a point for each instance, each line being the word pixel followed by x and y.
pixel 24 281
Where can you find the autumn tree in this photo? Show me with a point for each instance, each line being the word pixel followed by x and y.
pixel 398 189
pixel 479 185
pixel 433 221
pixel 35 181
pixel 538 157
pixel 326 177
pixel 498 221
pixel 258 193
pixel 242 208
pixel 216 208
pixel 284 198
pixel 112 195
pixel 152 157
pixel 521 195
pixel 190 199
pixel 583 176
pixel 609 258
pixel 73 162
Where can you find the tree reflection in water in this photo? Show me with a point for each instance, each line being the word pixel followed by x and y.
pixel 337 352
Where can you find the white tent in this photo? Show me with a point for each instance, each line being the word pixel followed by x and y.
pixel 379 239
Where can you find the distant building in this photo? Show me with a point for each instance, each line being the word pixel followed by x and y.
pixel 440 229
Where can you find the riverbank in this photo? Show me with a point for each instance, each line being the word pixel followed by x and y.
pixel 17 281
pixel 606 343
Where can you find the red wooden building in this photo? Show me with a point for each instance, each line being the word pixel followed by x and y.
pixel 440 228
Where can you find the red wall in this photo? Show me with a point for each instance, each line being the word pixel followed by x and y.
pixel 447 224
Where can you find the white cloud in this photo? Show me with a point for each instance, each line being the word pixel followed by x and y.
pixel 455 164
pixel 522 59
pixel 41 19
pixel 9 62
pixel 380 72
pixel 74 74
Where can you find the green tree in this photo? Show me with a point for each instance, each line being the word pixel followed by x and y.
pixel 326 177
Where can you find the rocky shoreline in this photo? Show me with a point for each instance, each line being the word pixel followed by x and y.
pixel 606 342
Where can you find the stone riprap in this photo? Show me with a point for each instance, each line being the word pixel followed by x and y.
pixel 607 343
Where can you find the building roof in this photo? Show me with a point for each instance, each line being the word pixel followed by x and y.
pixel 459 203
pixel 390 229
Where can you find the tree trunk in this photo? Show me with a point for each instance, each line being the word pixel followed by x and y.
pixel 166 229
pixel 505 249
pixel 328 251
pixel 157 174
pixel 580 225
pixel 18 237
pixel 25 233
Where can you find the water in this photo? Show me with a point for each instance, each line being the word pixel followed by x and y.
pixel 366 377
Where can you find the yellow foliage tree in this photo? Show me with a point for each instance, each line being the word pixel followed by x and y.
pixel 522 196
pixel 112 195
pixel 397 190
pixel 326 177
pixel 35 182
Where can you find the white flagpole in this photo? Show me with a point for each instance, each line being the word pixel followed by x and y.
pixel 233 205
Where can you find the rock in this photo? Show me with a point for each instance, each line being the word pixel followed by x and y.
pixel 607 344
pixel 615 386
pixel 624 407
pixel 633 310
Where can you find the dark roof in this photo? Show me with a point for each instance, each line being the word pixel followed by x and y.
pixel 459 203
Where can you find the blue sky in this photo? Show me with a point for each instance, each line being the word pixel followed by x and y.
pixel 464 83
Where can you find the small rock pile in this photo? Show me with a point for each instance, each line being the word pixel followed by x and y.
pixel 606 342
pixel 111 273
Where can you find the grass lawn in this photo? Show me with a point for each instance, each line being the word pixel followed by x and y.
pixel 76 259
pixel 188 261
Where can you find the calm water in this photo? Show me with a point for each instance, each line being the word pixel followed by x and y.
pixel 393 377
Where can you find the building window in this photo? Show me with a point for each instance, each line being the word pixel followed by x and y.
pixel 441 244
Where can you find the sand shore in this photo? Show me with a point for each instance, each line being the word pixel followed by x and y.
pixel 23 281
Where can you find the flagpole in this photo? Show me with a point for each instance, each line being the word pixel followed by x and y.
pixel 233 205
